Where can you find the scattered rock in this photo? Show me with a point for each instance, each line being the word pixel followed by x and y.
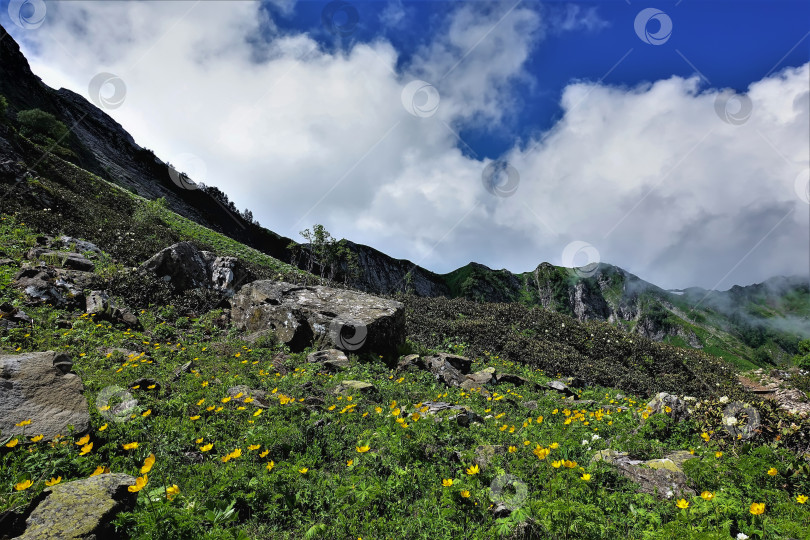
pixel 261 399
pixel 462 415
pixel 343 319
pixel 59 287
pixel 480 378
pixel 79 246
pixel 531 405
pixel 180 370
pixel 451 369
pixel 64 259
pixel 186 267
pixel 354 387
pixel 486 452
pixel 411 361
pixel 561 387
pixel 11 317
pixel 99 303
pixel 678 408
pixel 82 509
pixel 500 510
pixel 7 262
pixel 330 359
pixel 40 387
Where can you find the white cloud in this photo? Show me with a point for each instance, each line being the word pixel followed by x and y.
pixel 649 175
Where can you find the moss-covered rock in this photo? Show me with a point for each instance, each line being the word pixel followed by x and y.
pixel 82 509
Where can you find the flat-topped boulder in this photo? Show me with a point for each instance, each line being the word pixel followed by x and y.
pixel 325 316
pixel 40 387
pixel 81 509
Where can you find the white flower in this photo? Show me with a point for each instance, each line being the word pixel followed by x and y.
pixel 595 437
pixel 741 536
pixel 724 399
pixel 730 421
pixel 584 442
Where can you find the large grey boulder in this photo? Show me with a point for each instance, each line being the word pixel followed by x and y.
pixel 82 509
pixel 186 267
pixel 325 316
pixel 663 478
pixel 40 387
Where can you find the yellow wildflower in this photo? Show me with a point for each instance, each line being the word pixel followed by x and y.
pixel 53 481
pixel 140 482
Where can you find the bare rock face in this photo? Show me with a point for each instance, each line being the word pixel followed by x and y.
pixel 82 509
pixel 336 318
pixel 40 387
pixel 186 267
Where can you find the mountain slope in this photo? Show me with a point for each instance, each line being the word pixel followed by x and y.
pixel 754 325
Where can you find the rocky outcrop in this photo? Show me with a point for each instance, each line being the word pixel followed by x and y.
pixel 588 304
pixel 185 267
pixel 300 316
pixel 41 388
pixel 80 510
pixel 382 274
pixel 44 284
pixel 651 328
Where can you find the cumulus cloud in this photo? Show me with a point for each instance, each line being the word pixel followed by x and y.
pixel 650 175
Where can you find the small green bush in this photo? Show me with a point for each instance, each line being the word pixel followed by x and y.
pixel 41 126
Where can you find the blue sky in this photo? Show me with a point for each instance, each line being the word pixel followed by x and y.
pixel 684 160
pixel 731 43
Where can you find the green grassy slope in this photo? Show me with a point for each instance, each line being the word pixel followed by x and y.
pixel 319 465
